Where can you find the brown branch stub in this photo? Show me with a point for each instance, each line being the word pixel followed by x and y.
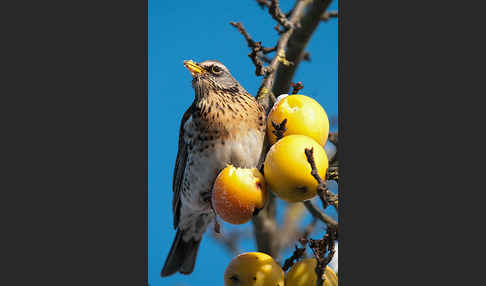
pixel 333 138
pixel 289 262
pixel 297 87
pixel 217 226
pixel 279 129
pixel 306 57
pixel 264 3
pixel 326 16
pixel 278 29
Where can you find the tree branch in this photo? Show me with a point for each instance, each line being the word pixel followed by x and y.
pixel 297 43
pixel 278 15
pixel 315 212
pixel 299 25
pixel 265 229
pixel 266 94
pixel 289 262
pixel 320 248
pixel 289 230
pixel 326 196
pixel 256 50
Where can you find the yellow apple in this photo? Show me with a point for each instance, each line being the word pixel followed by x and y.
pixel 287 171
pixel 304 115
pixel 253 269
pixel 237 193
pixel 303 274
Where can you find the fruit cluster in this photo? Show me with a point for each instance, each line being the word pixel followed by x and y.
pixel 257 268
pixel 295 123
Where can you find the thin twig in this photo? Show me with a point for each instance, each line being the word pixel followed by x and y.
pixel 245 34
pixel 265 95
pixel 289 262
pixel 321 184
pixel 278 29
pixel 326 196
pixel 278 15
pixel 256 48
pixel 315 212
pixel 320 248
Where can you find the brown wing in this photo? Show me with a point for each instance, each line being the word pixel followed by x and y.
pixel 180 165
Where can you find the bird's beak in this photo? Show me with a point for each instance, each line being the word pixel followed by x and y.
pixel 193 68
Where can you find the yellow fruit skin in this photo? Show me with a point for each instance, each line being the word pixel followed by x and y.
pixel 253 269
pixel 237 192
pixel 305 116
pixel 303 274
pixel 287 171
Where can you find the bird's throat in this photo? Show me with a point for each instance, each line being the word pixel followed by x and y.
pixel 223 110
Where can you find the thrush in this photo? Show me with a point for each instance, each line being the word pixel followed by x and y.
pixel 224 125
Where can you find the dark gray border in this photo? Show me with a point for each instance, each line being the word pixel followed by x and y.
pixel 404 77
pixel 74 105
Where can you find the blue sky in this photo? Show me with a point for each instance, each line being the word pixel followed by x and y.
pixel 200 30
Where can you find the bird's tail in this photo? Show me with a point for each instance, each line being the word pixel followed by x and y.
pixel 182 256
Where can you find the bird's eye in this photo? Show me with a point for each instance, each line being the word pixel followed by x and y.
pixel 216 69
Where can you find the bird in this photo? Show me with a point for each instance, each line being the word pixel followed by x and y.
pixel 224 125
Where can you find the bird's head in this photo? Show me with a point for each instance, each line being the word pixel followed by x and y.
pixel 211 77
